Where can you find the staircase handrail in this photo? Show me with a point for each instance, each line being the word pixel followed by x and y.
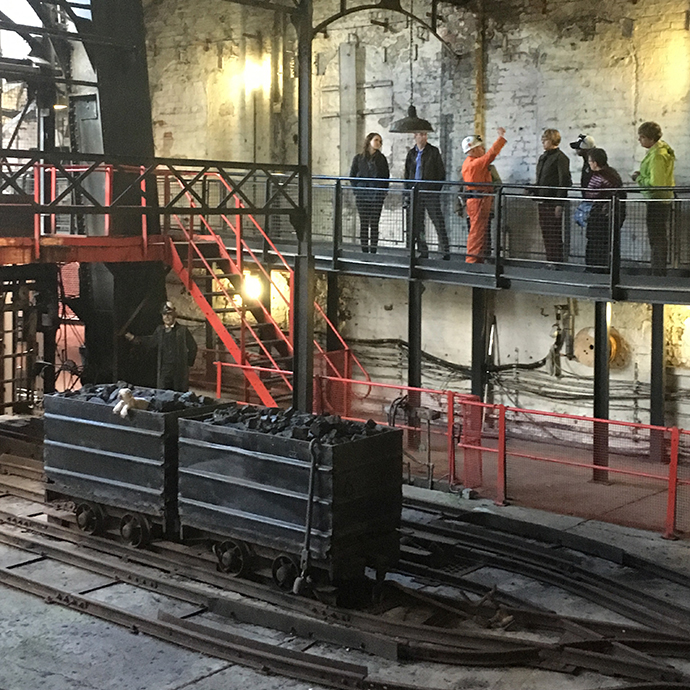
pixel 251 376
pixel 235 268
pixel 290 270
pixel 253 255
pixel 193 244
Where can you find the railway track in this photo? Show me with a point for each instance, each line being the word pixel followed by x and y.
pixel 449 604
pixel 478 626
pixel 455 545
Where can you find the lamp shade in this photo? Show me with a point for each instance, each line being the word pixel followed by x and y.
pixel 411 123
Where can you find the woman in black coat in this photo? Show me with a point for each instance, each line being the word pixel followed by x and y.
pixel 370 173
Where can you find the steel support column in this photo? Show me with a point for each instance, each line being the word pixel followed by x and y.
pixel 332 300
pixel 303 394
pixel 657 415
pixel 414 334
pixel 414 357
pixel 123 78
pixel 481 309
pixel 602 354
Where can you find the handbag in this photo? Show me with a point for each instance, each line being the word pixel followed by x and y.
pixel 582 213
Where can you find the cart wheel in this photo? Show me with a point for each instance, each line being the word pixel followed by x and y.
pixel 135 530
pixel 90 518
pixel 285 571
pixel 233 557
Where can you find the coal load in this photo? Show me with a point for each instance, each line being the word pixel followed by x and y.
pixel 158 400
pixel 326 429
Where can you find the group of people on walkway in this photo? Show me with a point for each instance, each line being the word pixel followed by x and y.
pixel 424 170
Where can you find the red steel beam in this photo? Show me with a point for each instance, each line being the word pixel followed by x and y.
pixel 68 248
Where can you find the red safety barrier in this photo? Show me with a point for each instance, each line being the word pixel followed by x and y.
pixel 619 472
pixel 611 471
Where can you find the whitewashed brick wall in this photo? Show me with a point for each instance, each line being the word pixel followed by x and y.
pixel 596 67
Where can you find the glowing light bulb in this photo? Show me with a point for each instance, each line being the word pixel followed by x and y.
pixel 253 288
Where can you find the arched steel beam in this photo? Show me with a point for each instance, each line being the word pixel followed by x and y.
pixel 392 6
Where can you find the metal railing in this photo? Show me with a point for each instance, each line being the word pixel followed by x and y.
pixel 515 230
pixel 620 472
pixel 630 240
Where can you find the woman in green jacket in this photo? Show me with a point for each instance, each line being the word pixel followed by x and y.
pixel 656 170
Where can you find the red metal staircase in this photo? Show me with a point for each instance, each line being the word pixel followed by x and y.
pixel 215 279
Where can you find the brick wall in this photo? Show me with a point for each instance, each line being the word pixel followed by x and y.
pixel 579 66
pixel 596 67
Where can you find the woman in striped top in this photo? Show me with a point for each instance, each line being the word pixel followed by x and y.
pixel 604 179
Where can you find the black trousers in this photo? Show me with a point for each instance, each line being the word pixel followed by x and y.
pixel 551 230
pixel 369 207
pixel 598 240
pixel 431 203
pixel 658 215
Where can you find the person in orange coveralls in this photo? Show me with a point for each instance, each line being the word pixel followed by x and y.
pixel 479 199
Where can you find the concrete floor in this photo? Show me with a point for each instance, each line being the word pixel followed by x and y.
pixel 51 647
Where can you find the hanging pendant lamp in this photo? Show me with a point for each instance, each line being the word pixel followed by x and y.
pixel 411 123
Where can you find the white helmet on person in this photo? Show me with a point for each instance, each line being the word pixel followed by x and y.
pixel 471 142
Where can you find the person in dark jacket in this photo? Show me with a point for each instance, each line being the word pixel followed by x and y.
pixel 553 170
pixel 582 146
pixel 175 347
pixel 604 179
pixel 424 163
pixel 370 175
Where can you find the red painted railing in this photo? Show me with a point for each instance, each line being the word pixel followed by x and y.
pixel 619 472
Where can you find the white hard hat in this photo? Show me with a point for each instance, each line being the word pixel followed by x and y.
pixel 471 142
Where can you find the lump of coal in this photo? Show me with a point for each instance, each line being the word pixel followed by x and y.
pixel 159 400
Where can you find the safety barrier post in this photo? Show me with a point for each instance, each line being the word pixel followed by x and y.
pixel 670 529
pixel 238 237
pixel 501 478
pixel 337 223
pixel 108 196
pixel 498 202
pixel 450 397
pixel 267 223
pixel 413 238
pixel 615 245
